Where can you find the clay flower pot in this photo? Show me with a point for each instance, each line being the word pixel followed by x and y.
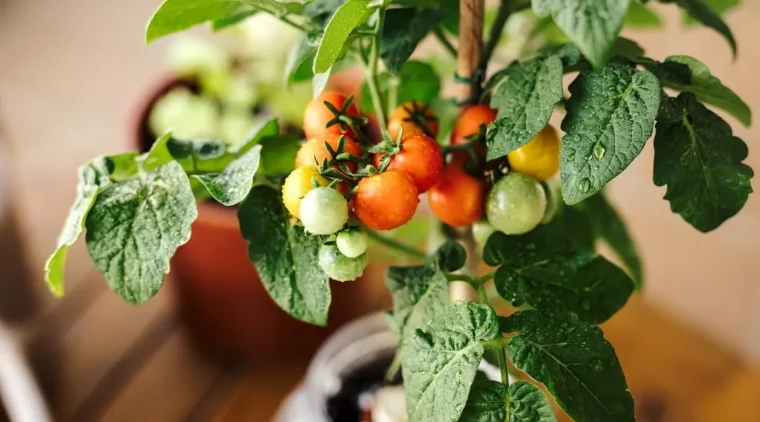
pixel 220 298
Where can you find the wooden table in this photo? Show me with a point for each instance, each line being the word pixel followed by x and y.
pixel 103 360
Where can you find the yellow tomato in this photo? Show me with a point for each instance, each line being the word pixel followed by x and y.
pixel 539 157
pixel 297 185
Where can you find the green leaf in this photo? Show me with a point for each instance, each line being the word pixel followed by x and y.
pixel 528 404
pixel 487 401
pixel 439 365
pixel 451 256
pixel 219 24
pixel 611 227
pixel 177 15
pixel 574 361
pixel 718 6
pixel 278 154
pixel 687 74
pixel 700 161
pixel 610 116
pixel 90 182
pixel 525 103
pixel 417 81
pixel 319 82
pixel 593 25
pixel 551 274
pixel 420 296
pixel 347 18
pixel 285 256
pixel 404 28
pixel 234 182
pixel 628 48
pixel 573 223
pixel 641 16
pixel 135 226
pixel 701 12
pixel 321 11
pixel 300 59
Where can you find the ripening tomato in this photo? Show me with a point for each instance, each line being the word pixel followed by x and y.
pixel 316 116
pixel 413 118
pixel 457 199
pixel 315 148
pixel 467 125
pixel 352 242
pixel 386 201
pixel 340 267
pixel 516 203
pixel 298 183
pixel 323 211
pixel 539 157
pixel 420 157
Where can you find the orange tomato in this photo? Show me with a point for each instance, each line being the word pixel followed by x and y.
pixel 414 118
pixel 420 158
pixel 386 201
pixel 458 198
pixel 468 124
pixel 315 148
pixel 316 116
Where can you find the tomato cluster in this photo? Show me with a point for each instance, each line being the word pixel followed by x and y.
pixel 344 181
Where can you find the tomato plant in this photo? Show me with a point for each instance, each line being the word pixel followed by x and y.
pixel 140 206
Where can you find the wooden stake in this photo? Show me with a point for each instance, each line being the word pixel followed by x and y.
pixel 468 59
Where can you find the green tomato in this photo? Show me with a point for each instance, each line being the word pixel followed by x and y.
pixel 516 204
pixel 551 203
pixel 340 267
pixel 481 231
pixel 352 242
pixel 323 211
pixel 185 114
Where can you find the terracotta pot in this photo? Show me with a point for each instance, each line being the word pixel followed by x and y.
pixel 221 299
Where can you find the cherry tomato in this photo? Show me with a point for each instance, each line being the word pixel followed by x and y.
pixel 323 211
pixel 351 242
pixel 420 158
pixel 539 157
pixel 516 203
pixel 386 201
pixel 340 267
pixel 457 199
pixel 467 125
pixel 315 148
pixel 298 183
pixel 316 116
pixel 413 118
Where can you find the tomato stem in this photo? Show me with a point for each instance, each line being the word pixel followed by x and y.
pixel 371 68
pixel 393 244
pixel 445 41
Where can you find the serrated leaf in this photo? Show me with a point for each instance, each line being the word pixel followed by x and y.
pixel 551 274
pixel 234 182
pixel 285 256
pixel 420 296
pixel 439 364
pixel 701 12
pixel 700 161
pixel 528 404
pixel 417 81
pixel 487 401
pixel 610 116
pixel 404 28
pixel 575 363
pixel 347 18
pixel 592 25
pixel 525 103
pixel 90 182
pixel 641 16
pixel 135 226
pixel 450 256
pixel 177 15
pixel 612 229
pixel 687 74
pixel 298 66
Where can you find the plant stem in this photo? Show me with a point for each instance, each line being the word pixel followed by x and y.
pixel 371 68
pixel 445 41
pixel 294 24
pixel 505 9
pixel 501 355
pixel 393 244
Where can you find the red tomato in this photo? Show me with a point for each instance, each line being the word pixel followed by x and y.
pixel 413 118
pixel 420 158
pixel 317 115
pixel 468 124
pixel 315 148
pixel 457 199
pixel 385 201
